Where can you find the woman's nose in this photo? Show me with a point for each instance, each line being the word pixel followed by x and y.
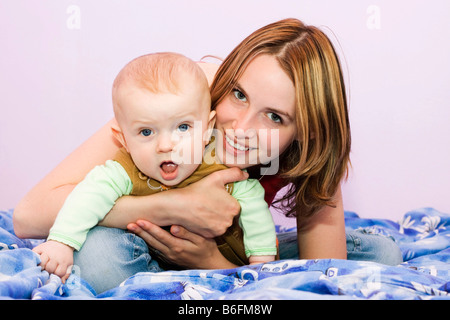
pixel 244 125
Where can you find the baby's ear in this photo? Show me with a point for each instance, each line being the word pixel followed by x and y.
pixel 210 127
pixel 118 134
pixel 212 120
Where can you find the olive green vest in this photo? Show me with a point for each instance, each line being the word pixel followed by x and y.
pixel 230 244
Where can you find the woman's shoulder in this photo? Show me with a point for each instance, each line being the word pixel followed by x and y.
pixel 209 69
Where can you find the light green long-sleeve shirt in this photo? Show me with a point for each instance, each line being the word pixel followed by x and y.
pixel 95 196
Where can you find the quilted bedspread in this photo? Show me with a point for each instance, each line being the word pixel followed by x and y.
pixel 423 236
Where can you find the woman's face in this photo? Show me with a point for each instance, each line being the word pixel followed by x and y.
pixel 256 122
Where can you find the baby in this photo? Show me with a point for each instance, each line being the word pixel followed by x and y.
pixel 164 123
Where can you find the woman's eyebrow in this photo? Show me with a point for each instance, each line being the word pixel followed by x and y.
pixel 281 113
pixel 239 87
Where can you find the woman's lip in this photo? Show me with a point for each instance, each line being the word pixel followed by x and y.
pixel 236 145
pixel 230 148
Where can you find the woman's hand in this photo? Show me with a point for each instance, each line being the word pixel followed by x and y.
pixel 181 246
pixel 207 208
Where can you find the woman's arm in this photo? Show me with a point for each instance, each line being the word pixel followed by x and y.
pixel 36 212
pixel 323 235
pixel 208 214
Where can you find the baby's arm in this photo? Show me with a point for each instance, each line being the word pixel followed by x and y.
pixel 261 259
pixel 256 222
pixel 56 258
pixel 89 203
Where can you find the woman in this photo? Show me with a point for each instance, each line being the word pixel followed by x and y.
pixel 285 78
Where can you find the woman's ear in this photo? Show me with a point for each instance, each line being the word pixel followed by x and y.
pixel 118 134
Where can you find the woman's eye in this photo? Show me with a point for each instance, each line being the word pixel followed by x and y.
pixel 146 132
pixel 239 95
pixel 183 128
pixel 274 117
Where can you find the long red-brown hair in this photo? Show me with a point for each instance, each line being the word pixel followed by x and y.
pixel 316 162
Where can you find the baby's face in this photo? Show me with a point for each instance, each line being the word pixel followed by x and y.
pixel 164 132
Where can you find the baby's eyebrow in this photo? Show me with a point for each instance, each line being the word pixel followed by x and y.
pixel 141 123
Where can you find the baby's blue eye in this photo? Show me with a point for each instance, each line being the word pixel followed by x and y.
pixel 183 127
pixel 146 132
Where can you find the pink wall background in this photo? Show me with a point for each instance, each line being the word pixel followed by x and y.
pixel 58 59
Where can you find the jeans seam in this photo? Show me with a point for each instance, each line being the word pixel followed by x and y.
pixel 136 248
pixel 356 244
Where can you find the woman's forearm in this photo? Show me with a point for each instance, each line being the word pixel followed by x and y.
pixel 35 214
pixel 323 235
pixel 129 209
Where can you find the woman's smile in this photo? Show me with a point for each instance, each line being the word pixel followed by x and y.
pixel 235 144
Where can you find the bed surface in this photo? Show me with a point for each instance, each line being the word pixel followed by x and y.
pixel 423 236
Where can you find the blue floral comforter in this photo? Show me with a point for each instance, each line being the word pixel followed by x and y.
pixel 423 236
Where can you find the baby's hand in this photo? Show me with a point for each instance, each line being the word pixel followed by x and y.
pixel 260 259
pixel 56 258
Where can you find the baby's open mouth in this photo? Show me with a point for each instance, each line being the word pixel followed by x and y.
pixel 168 167
pixel 169 170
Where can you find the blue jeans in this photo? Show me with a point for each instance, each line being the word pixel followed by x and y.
pixel 361 246
pixel 110 256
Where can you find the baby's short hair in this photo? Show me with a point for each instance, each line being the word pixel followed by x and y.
pixel 161 72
